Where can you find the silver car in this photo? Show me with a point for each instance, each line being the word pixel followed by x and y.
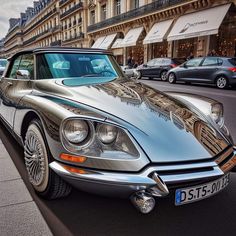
pixel 83 124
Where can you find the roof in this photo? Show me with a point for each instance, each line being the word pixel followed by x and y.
pixel 62 49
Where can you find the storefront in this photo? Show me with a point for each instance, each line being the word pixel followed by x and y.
pixel 133 42
pixel 156 40
pixel 192 32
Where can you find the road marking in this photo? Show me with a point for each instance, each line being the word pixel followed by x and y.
pixel 193 90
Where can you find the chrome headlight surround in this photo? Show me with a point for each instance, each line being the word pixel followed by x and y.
pixel 67 142
pixel 113 143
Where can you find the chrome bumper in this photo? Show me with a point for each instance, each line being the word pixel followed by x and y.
pixel 125 184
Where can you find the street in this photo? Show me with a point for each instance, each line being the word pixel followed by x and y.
pixel 87 214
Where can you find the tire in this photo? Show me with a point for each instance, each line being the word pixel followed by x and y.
pixel 45 182
pixel 222 82
pixel 172 78
pixel 163 75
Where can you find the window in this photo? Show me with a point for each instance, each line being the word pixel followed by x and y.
pixel 69 65
pixel 92 17
pixel 117 6
pixel 134 4
pixel 25 62
pixel 103 12
pixel 151 63
pixel 211 61
pixel 193 62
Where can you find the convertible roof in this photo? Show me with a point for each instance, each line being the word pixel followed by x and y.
pixel 61 49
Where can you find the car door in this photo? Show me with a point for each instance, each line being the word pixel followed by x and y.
pixel 14 86
pixel 208 68
pixel 148 69
pixel 189 70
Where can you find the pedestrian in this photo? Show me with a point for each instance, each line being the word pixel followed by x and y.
pixel 212 53
pixel 129 62
pixel 191 56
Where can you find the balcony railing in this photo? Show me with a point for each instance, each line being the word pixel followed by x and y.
pixel 62 2
pixel 146 9
pixel 42 19
pixel 56 43
pixel 77 36
pixel 74 8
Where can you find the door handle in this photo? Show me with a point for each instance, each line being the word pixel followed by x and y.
pixel 9 83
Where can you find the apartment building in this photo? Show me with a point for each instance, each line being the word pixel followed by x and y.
pixel 142 29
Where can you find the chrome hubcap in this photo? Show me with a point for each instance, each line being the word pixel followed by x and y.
pixel 221 82
pixel 34 159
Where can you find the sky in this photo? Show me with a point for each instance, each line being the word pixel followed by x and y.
pixel 11 9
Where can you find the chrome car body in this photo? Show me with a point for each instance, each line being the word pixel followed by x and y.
pixel 168 139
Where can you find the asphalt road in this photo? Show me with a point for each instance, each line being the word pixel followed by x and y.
pixel 87 214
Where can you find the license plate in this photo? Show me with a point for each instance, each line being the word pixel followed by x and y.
pixel 196 193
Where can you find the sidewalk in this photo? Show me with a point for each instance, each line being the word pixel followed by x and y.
pixel 19 214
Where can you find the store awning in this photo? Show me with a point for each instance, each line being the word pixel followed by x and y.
pixel 106 43
pixel 98 42
pixel 117 43
pixel 199 23
pixel 131 37
pixel 157 32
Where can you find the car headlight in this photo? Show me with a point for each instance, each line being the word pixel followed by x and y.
pixel 217 114
pixel 107 133
pixel 97 139
pixel 76 131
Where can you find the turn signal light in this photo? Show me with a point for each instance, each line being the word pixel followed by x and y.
pixel 233 69
pixel 71 158
pixel 75 170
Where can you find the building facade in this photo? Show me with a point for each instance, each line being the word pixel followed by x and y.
pixel 142 29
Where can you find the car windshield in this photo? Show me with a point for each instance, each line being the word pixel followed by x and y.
pixel 76 65
pixel 3 63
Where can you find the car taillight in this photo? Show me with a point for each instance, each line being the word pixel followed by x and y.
pixel 173 65
pixel 233 69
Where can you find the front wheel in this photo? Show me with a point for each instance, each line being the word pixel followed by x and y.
pixel 44 181
pixel 222 82
pixel 172 78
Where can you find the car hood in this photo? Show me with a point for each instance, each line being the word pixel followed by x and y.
pixel 165 128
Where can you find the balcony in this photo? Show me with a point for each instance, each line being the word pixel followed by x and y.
pixel 74 8
pixel 135 13
pixel 77 36
pixel 62 2
pixel 56 43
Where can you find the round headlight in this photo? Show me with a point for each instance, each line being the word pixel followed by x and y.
pixel 107 133
pixel 76 131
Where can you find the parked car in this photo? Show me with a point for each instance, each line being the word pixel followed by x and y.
pixel 158 67
pixel 220 71
pixel 129 72
pixel 82 123
pixel 3 63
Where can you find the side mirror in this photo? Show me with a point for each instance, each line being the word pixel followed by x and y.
pixel 23 74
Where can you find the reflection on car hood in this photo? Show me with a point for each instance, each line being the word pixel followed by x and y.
pixel 164 127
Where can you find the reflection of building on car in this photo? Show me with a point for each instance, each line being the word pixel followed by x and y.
pixel 3 63
pixel 158 67
pixel 82 123
pixel 220 71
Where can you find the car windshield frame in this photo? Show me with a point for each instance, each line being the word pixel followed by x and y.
pixel 61 65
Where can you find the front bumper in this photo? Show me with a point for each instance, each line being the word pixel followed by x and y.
pixel 125 184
